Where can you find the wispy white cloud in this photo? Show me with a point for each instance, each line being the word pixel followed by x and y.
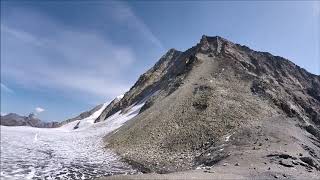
pixel 6 88
pixel 122 12
pixel 19 34
pixel 39 110
pixel 90 64
pixel 69 60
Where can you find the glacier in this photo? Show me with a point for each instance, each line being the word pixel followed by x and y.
pixel 64 152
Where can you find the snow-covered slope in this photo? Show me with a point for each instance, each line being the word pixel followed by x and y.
pixel 86 122
pixel 63 152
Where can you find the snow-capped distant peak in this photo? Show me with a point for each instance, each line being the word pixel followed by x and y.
pixel 120 97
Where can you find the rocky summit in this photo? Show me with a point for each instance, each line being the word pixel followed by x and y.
pixel 222 107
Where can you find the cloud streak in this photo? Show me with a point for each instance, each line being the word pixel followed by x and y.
pixel 21 35
pixel 40 52
pixel 122 12
pixel 69 60
pixel 6 88
pixel 39 110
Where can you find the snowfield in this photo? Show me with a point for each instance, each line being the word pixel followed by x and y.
pixel 65 153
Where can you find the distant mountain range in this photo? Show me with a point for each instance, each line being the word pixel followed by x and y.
pixel 13 119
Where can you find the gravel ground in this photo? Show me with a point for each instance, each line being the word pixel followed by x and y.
pixel 274 154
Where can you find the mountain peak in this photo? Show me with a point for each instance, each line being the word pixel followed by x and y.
pixel 209 39
pixel 11 114
pixel 31 116
pixel 213 44
pixel 172 50
pixel 212 90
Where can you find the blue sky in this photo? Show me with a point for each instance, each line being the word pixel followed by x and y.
pixel 61 58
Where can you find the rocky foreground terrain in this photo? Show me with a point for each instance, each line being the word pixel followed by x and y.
pixel 221 110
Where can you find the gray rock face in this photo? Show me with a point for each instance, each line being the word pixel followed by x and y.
pixel 13 119
pixel 214 89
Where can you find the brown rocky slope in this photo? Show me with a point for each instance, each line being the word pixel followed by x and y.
pixel 221 102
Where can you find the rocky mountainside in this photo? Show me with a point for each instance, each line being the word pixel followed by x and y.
pixel 220 102
pixel 13 119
